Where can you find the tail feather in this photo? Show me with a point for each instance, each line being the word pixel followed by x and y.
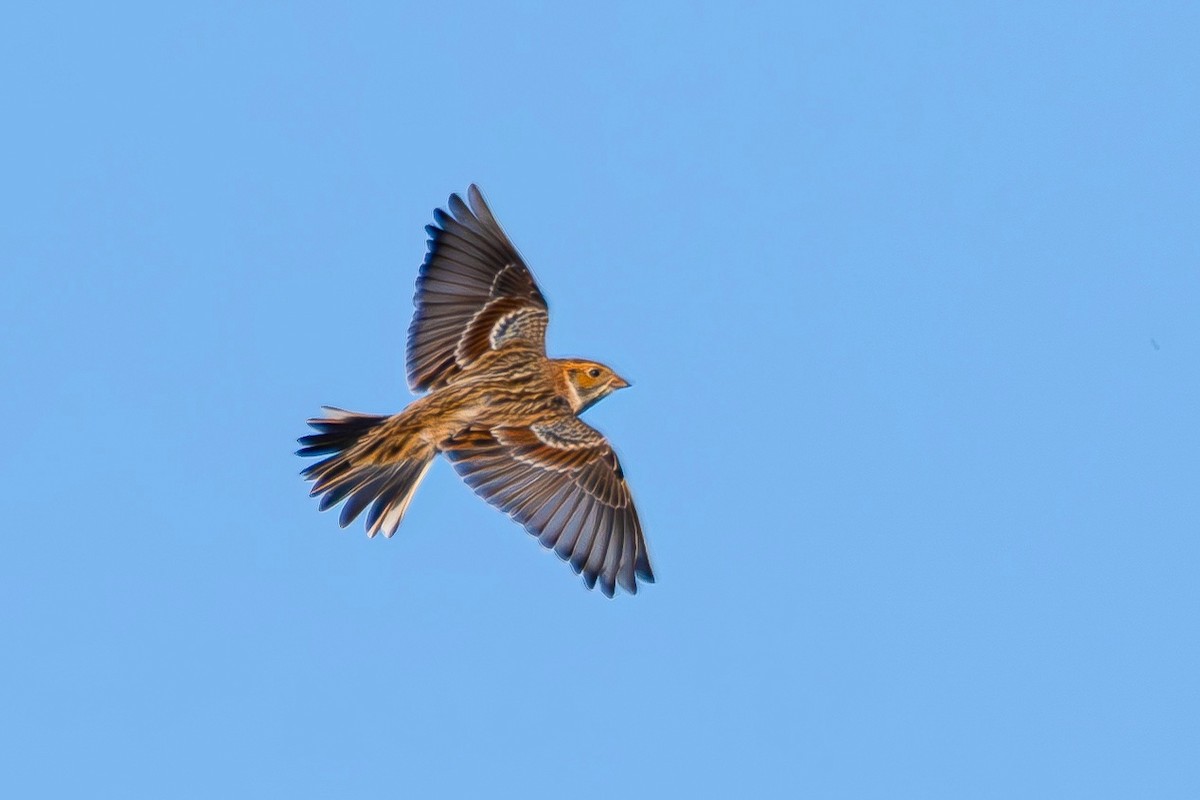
pixel 367 464
pixel 393 499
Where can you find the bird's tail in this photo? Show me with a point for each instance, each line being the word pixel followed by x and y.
pixel 370 463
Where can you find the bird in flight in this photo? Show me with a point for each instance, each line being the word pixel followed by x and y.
pixel 503 412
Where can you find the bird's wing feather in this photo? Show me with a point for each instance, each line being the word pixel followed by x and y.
pixel 474 294
pixel 560 479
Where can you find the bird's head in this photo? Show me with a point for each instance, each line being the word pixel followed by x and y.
pixel 588 382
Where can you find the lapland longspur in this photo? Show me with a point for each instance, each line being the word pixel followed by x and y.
pixel 502 411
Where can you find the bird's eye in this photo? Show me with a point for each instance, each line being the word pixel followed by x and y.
pixel 593 372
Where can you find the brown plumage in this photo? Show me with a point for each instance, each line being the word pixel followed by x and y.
pixel 502 411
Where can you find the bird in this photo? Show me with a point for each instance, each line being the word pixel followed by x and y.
pixel 503 412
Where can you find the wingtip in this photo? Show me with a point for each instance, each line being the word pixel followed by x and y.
pixel 478 205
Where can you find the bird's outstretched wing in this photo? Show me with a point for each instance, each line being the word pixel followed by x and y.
pixel 560 479
pixel 474 294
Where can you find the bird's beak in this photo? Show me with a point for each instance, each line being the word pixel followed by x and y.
pixel 619 383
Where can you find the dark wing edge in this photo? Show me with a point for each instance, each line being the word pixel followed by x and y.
pixel 474 293
pixel 562 481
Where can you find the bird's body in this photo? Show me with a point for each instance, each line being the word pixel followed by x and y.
pixel 513 387
pixel 498 407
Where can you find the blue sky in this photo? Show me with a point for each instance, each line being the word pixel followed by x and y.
pixel 909 294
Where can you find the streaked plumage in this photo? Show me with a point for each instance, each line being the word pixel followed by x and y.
pixel 502 412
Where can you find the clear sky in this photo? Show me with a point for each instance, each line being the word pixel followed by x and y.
pixel 910 296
